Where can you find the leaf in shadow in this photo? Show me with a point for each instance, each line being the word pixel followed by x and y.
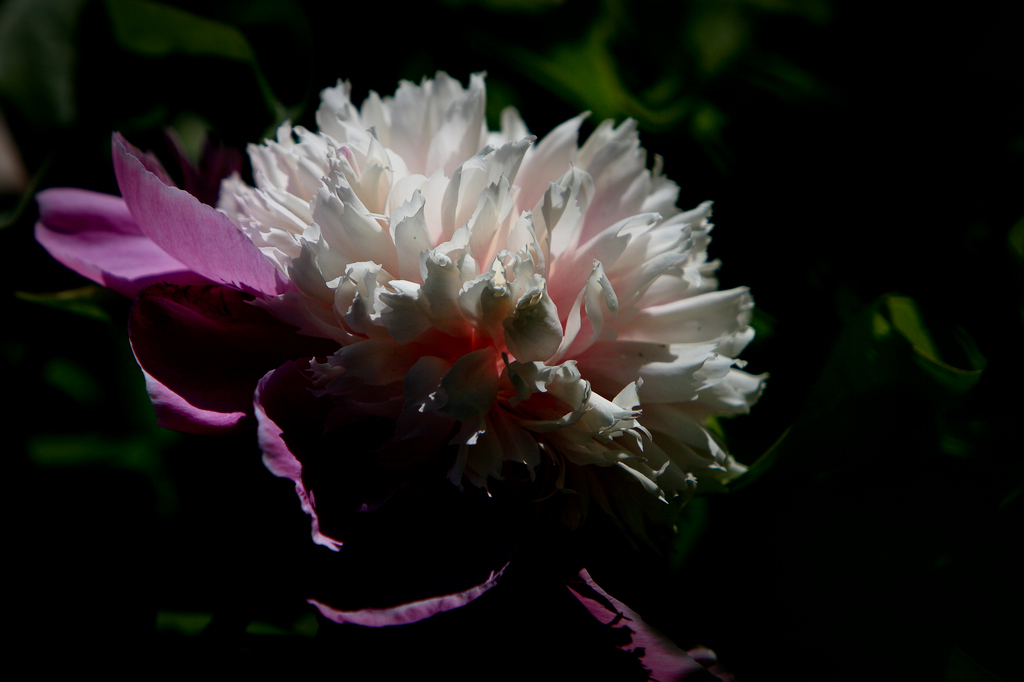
pixel 886 358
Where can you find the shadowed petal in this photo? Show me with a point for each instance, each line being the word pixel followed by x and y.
pixel 203 350
pixel 283 398
pixel 96 236
pixel 665 661
pixel 198 235
pixel 411 612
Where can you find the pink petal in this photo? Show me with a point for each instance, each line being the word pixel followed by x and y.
pixel 95 235
pixel 203 350
pixel 283 400
pixel 414 546
pixel 659 655
pixel 411 612
pixel 198 235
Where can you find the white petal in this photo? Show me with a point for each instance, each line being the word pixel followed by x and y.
pixel 411 236
pixel 533 332
pixel 692 320
pixel 548 161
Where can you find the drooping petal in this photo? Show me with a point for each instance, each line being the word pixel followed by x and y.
pixel 199 236
pixel 281 400
pixel 203 349
pixel 411 612
pixel 659 655
pixel 96 236
pixel 691 445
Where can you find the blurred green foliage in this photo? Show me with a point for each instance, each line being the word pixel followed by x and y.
pixel 852 153
pixel 86 301
pixel 888 349
pixel 38 58
pixel 157 30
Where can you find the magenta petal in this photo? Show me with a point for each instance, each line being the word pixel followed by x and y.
pixel 204 349
pixel 198 235
pixel 95 235
pixel 659 655
pixel 411 612
pixel 284 395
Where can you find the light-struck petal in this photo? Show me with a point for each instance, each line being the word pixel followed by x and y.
pixel 199 236
pixel 532 331
pixel 442 305
pixel 696 319
pixel 96 236
pixel 671 372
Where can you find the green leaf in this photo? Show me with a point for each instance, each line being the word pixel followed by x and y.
pixel 37 58
pixel 519 6
pixel 962 668
pixel 764 324
pixel 907 319
pixel 948 379
pixel 888 350
pixel 1015 238
pixel 87 301
pixel 585 72
pixel 190 624
pixel 719 33
pixel 761 465
pixel 72 380
pixel 692 521
pixel 259 627
pixel 73 450
pixel 156 30
pixel 9 218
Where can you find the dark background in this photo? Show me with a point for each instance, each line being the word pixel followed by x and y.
pixel 853 149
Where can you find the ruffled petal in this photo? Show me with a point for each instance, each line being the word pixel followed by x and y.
pixel 671 372
pixel 96 236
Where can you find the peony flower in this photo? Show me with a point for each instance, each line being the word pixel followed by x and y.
pixel 410 306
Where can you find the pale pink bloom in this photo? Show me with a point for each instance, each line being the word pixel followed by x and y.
pixel 469 304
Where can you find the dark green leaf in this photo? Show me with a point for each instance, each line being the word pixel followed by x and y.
pixel 886 353
pixel 37 58
pixel 72 380
pixel 87 301
pixel 962 668
pixel 156 30
pixel 184 623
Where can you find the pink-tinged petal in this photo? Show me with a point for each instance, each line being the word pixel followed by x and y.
pixel 660 656
pixel 411 612
pixel 96 236
pixel 198 235
pixel 204 349
pixel 382 502
pixel 176 413
pixel 282 399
